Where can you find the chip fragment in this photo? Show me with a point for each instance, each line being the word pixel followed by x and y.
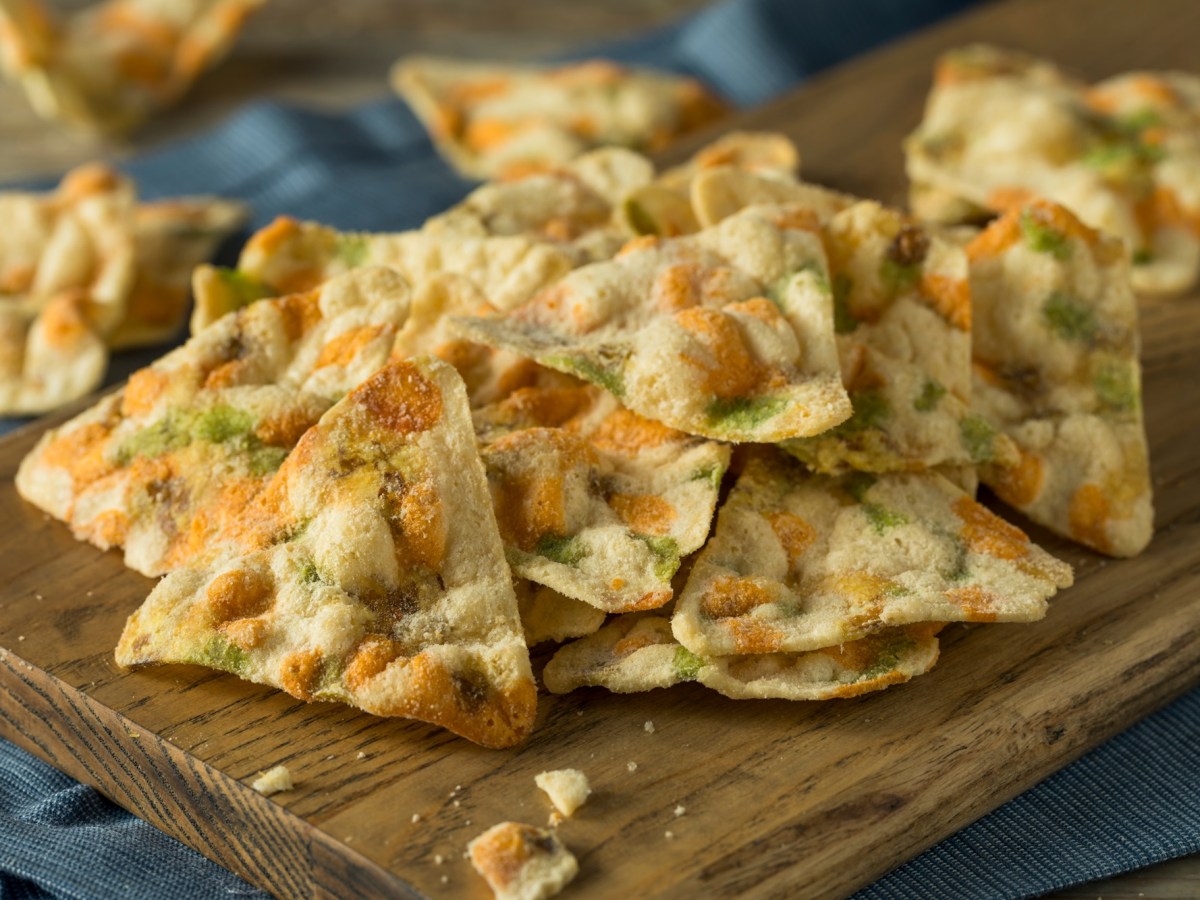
pixel 520 862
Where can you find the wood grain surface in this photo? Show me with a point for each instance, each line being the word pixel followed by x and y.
pixel 781 800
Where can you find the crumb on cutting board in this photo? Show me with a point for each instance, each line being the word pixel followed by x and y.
pixel 568 789
pixel 649 727
pixel 521 862
pixel 273 781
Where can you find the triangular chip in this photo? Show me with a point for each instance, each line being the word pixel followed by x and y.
pixel 727 333
pixel 570 206
pixel 1001 127
pixel 113 64
pixel 50 357
pixel 638 653
pixel 762 152
pixel 665 206
pixel 595 501
pixel 289 256
pixel 718 193
pixel 546 615
pixel 369 572
pixel 902 311
pixel 1056 362
pixel 488 119
pixel 802 561
pixel 171 238
pixel 161 466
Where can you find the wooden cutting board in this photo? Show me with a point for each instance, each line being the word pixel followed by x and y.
pixel 781 799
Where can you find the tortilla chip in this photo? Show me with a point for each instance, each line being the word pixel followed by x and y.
pixel 546 615
pixel 1001 127
pixel 489 119
pixel 171 238
pixel 570 206
pixel 115 63
pixel 902 312
pixel 51 358
pixel 638 653
pixel 594 501
pixel 670 205
pixel 369 572
pixel 802 561
pixel 718 193
pixel 1056 363
pixel 164 465
pixel 289 256
pixel 761 152
pixel 681 329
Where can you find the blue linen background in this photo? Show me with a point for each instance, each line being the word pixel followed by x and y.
pixel 1131 802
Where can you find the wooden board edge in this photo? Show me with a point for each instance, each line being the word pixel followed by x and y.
pixel 157 781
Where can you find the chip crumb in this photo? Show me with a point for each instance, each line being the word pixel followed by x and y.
pixel 457 804
pixel 360 755
pixel 521 862
pixel 680 810
pixel 649 726
pixel 438 859
pixel 273 781
pixel 20 637
pixel 329 757
pixel 669 835
pixel 416 817
pixel 445 879
pixel 568 789
pixel 38 597
pixel 631 766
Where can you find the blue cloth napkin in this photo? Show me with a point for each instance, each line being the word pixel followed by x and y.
pixel 1133 801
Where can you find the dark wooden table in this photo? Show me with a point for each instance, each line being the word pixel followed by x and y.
pixel 337 54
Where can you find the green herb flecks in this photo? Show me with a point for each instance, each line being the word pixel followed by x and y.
pixel 1117 388
pixel 687 665
pixel 931 392
pixel 666 555
pixel 871 410
pixel 882 518
pixel 569 551
pixel 843 320
pixel 352 250
pixel 898 278
pixel 979 438
pixel 218 653
pixel 1044 238
pixel 172 432
pixel 221 423
pixel 1068 318
pixel 607 376
pixel 744 413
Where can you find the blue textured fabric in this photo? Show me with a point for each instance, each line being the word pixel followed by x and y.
pixel 1132 802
